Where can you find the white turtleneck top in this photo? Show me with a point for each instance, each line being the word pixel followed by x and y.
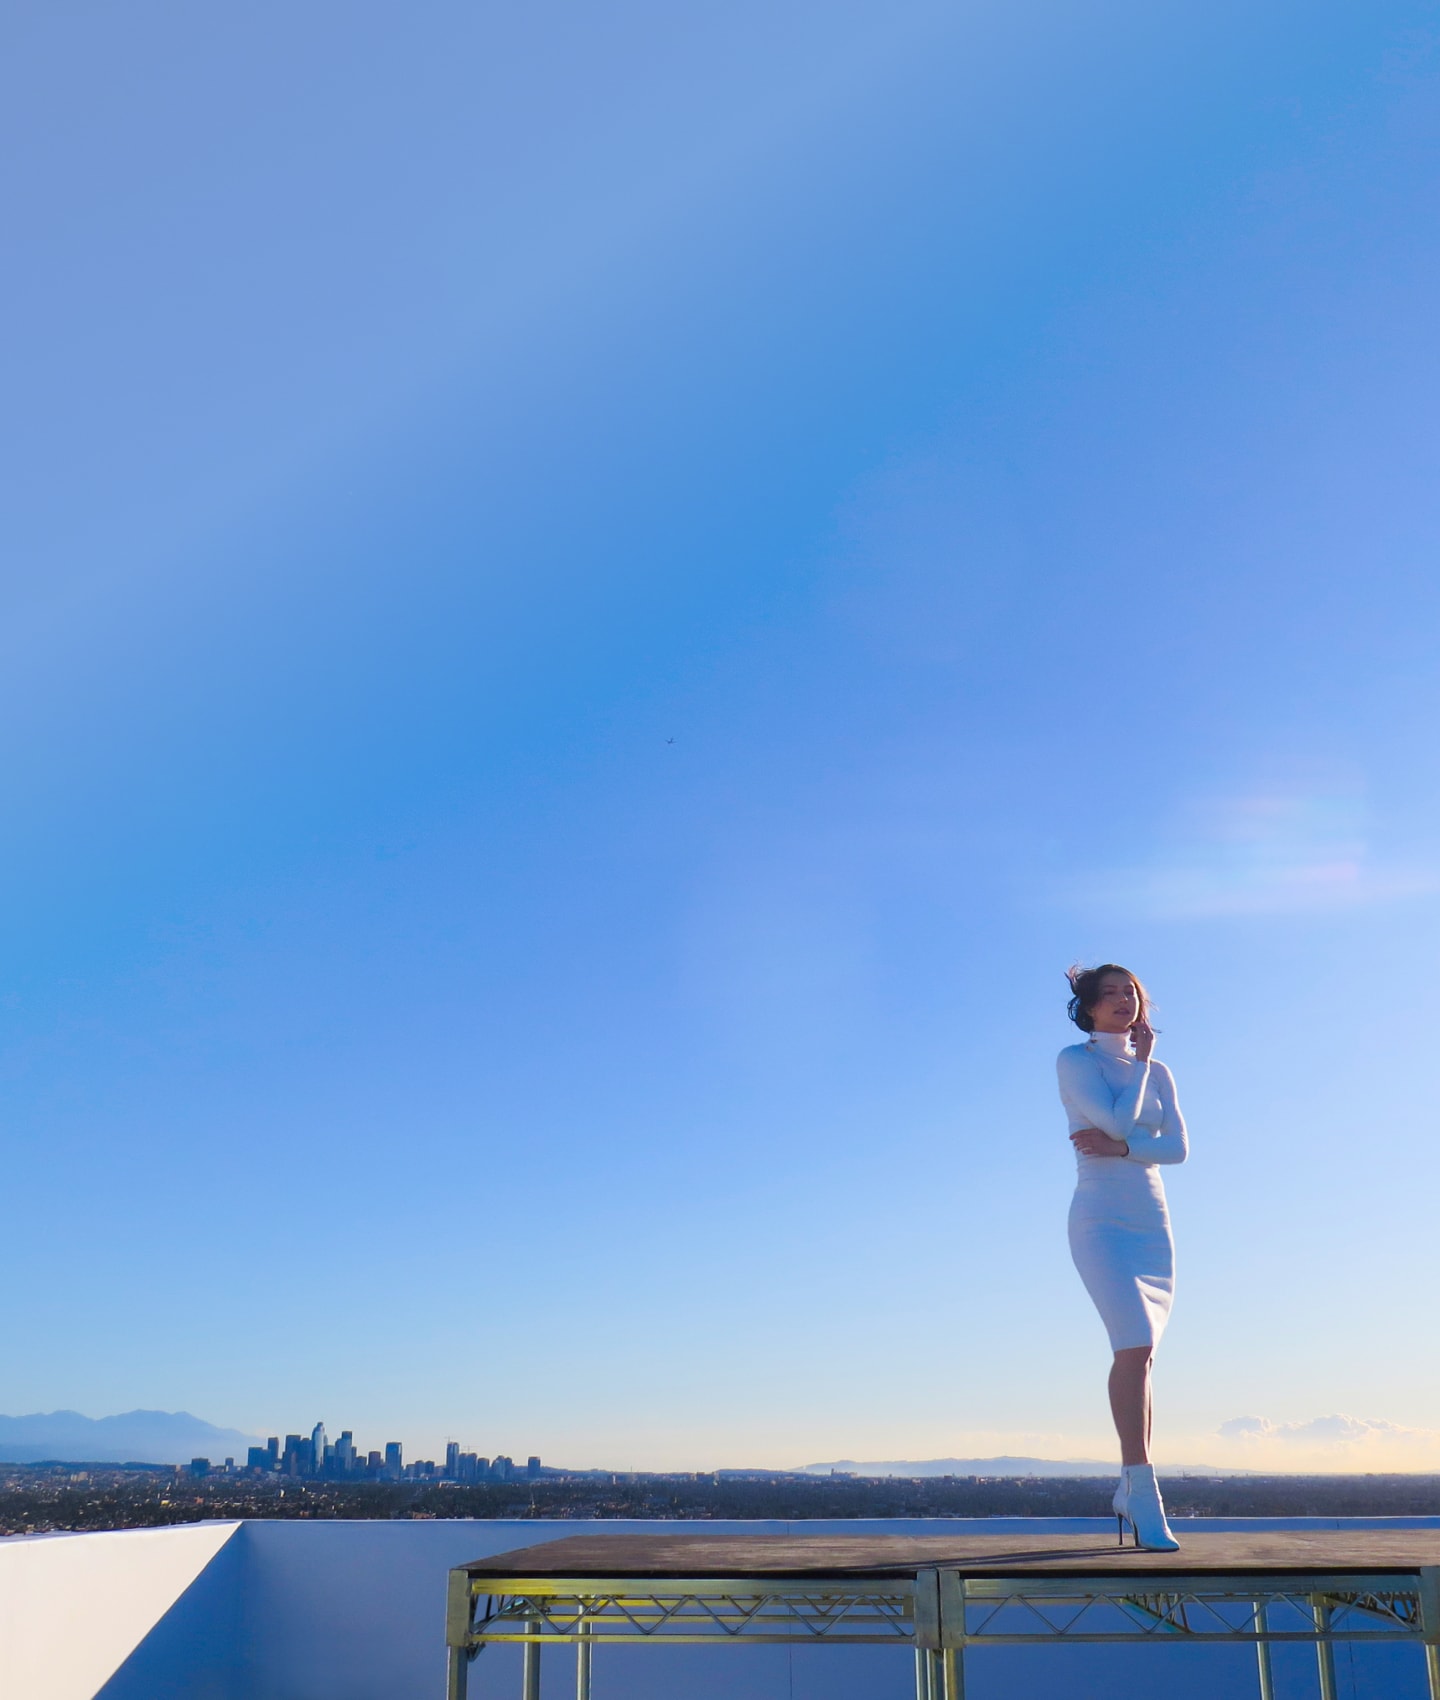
pixel 1104 1084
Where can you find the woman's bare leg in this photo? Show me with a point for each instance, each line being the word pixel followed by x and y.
pixel 1130 1403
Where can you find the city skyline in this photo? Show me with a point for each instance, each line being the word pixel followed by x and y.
pixel 600 602
pixel 314 1457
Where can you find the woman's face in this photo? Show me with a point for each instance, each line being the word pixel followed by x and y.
pixel 1116 1008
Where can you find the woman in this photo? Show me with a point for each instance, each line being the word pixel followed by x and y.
pixel 1124 1122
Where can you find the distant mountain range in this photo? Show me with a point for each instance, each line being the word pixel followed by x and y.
pixel 1006 1467
pixel 136 1437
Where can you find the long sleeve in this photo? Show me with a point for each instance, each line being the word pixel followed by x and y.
pixel 1083 1089
pixel 1170 1143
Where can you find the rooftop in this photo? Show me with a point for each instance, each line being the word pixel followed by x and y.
pixel 350 1610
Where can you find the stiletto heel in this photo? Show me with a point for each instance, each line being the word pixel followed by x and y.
pixel 1120 1505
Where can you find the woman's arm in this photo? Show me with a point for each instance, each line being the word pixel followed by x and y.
pixel 1171 1143
pixel 1090 1142
pixel 1084 1090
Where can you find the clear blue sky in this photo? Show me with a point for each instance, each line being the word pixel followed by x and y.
pixel 597 600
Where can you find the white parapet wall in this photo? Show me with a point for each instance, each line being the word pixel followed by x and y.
pixel 74 1608
pixel 355 1611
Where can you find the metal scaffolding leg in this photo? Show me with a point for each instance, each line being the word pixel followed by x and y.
pixel 459 1610
pixel 1262 1653
pixel 922 1674
pixel 583 1652
pixel 1430 1626
pixel 952 1665
pixel 530 1669
pixel 1324 1648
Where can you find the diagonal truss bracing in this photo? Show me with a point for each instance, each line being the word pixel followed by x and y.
pixel 730 1611
pixel 945 1614
pixel 1002 1612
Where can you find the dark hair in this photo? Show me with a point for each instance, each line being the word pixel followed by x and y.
pixel 1085 987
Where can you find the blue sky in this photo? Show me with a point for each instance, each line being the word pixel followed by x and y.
pixel 996 444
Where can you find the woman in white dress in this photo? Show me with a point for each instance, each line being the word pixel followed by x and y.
pixel 1124 1123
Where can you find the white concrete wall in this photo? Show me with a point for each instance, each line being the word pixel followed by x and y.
pixel 73 1608
pixel 355 1611
pixel 315 1640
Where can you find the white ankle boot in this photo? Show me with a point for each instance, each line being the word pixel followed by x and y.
pixel 1137 1502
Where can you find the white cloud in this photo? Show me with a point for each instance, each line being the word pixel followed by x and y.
pixel 1282 849
pixel 1336 1441
pixel 1333 1430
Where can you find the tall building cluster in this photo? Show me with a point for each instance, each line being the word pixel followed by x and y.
pixel 315 1457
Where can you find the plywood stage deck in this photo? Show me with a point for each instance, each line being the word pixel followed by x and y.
pixel 671 1557
pixel 948 1596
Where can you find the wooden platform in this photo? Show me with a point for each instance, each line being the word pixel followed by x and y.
pixel 947 1597
pixel 669 1557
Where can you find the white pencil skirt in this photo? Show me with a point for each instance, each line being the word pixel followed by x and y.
pixel 1121 1243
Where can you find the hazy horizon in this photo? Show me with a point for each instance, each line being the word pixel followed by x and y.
pixel 205 1437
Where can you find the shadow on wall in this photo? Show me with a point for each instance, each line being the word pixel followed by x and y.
pixel 74 1608
pixel 197 1651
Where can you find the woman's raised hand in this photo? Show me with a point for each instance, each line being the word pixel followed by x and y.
pixel 1091 1142
pixel 1142 1037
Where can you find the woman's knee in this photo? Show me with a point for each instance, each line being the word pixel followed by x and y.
pixel 1134 1357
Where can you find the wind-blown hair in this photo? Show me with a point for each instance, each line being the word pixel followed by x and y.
pixel 1085 989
